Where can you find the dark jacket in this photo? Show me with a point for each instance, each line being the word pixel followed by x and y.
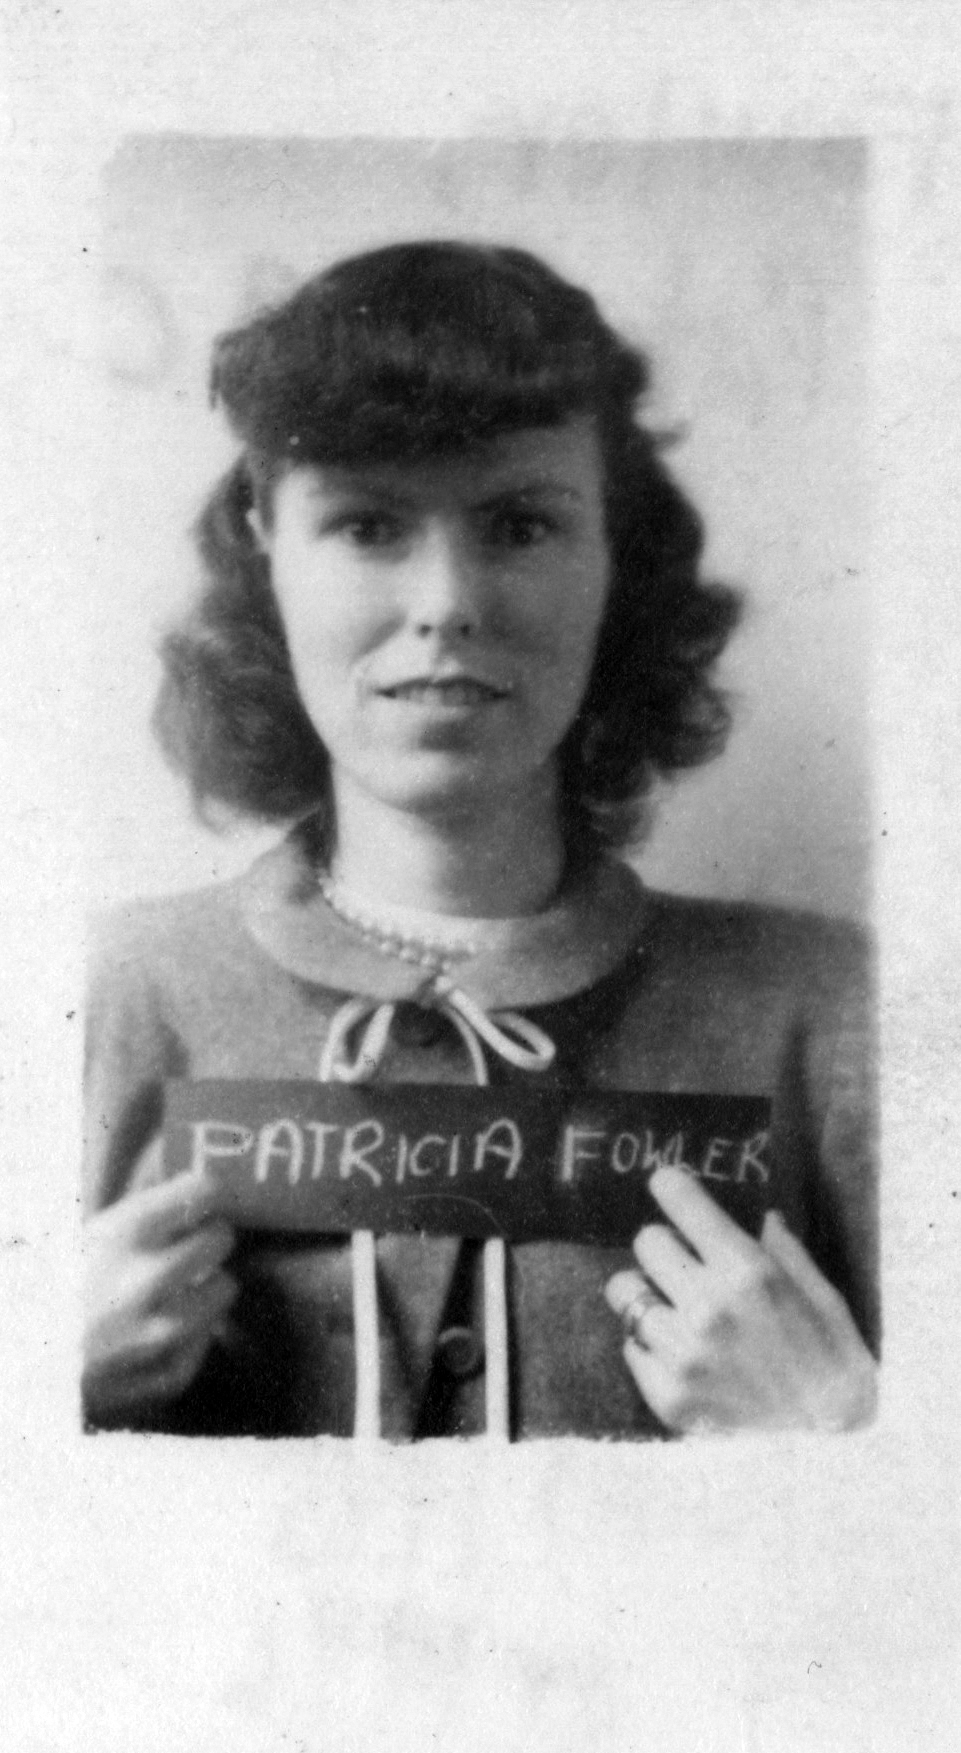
pixel 638 990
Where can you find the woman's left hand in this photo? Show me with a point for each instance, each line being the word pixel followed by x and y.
pixel 740 1334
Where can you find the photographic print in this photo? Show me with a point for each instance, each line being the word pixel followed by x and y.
pixel 438 603
pixel 483 530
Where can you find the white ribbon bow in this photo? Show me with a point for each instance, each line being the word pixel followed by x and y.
pixel 513 1037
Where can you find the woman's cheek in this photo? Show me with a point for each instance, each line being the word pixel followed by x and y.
pixel 322 677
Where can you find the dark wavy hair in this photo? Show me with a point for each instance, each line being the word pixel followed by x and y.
pixel 423 349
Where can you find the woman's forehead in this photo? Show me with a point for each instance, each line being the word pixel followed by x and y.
pixel 563 460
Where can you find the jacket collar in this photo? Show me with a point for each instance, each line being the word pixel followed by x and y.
pixel 591 927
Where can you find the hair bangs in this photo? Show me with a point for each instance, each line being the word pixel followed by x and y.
pixel 418 349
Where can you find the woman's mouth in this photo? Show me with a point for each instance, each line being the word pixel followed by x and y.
pixel 457 691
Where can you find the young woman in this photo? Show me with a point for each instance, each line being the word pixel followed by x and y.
pixel 451 630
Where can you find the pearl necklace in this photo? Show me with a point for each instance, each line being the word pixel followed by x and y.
pixel 388 930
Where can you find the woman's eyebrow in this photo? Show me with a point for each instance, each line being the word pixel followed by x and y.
pixel 536 487
pixel 348 486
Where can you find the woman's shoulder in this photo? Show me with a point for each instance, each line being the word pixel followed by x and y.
pixel 160 931
pixel 754 920
pixel 759 941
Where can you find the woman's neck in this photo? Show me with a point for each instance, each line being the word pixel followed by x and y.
pixel 504 862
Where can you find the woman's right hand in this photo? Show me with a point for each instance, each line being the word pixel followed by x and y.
pixel 155 1291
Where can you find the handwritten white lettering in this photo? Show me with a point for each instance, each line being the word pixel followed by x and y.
pixel 717 1148
pixel 487 1144
pixel 320 1131
pixel 751 1158
pixel 284 1140
pixel 431 1138
pixel 216 1138
pixel 625 1153
pixel 565 1158
pixel 354 1153
pixel 669 1155
pixel 573 1151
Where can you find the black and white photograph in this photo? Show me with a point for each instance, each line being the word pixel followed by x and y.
pixel 456 634
pixel 482 1229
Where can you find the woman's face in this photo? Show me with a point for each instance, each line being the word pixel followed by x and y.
pixel 442 615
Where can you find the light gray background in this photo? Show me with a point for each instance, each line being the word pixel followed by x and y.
pixel 739 265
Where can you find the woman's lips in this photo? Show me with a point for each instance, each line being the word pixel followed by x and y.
pixel 459 691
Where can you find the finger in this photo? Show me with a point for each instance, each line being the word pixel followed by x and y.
pixel 658 1385
pixel 793 1257
pixel 671 1267
pixel 622 1290
pixel 630 1296
pixel 195 1311
pixel 174 1376
pixel 144 1374
pixel 202 1305
pixel 660 1329
pixel 694 1213
pixel 187 1364
pixel 669 1397
pixel 173 1208
pixel 194 1257
pixel 149 1167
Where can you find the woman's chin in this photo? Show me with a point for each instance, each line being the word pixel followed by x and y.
pixel 445 784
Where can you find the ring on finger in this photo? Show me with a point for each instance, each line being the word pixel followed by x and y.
pixel 633 1316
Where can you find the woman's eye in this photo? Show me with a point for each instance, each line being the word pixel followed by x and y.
pixel 370 529
pixel 519 529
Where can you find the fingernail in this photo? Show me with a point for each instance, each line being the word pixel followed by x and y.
pixel 667 1172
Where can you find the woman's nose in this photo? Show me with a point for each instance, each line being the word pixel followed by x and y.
pixel 446 591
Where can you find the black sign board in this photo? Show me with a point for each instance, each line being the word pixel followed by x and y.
pixel 525 1163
